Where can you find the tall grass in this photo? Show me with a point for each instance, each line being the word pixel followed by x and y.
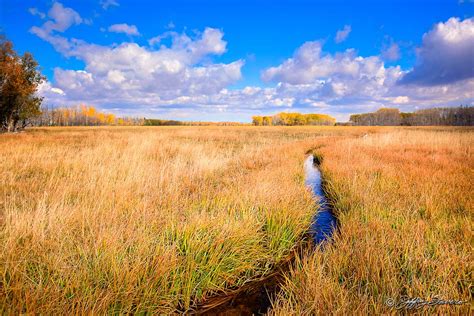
pixel 129 220
pixel 405 204
pixel 144 219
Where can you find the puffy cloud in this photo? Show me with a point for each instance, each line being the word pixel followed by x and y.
pixel 181 73
pixel 52 95
pixel 211 42
pixel 143 75
pixel 401 99
pixel 343 82
pixel 180 79
pixel 57 91
pixel 346 83
pixel 128 72
pixel 124 28
pixel 61 18
pixel 108 3
pixel 36 12
pixel 391 52
pixel 446 54
pixel 309 64
pixel 342 35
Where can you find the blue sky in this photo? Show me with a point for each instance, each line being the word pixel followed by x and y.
pixel 228 60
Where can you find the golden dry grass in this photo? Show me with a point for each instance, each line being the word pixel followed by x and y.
pixel 405 203
pixel 144 219
pixel 107 220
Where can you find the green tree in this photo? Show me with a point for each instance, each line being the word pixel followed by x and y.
pixel 19 81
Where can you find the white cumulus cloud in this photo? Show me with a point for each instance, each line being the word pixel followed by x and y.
pixel 391 52
pixel 343 34
pixel 310 63
pixel 108 3
pixel 446 54
pixel 35 11
pixel 132 74
pixel 124 28
pixel 344 82
pixel 61 19
pixel 179 77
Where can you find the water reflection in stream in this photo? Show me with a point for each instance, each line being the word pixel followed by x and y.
pixel 254 298
pixel 324 221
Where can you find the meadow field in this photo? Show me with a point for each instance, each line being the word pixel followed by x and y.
pixel 157 219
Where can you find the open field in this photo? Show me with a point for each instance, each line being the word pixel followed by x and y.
pixel 405 204
pixel 138 219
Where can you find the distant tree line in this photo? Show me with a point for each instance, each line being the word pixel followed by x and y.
pixel 291 119
pixel 88 115
pixel 80 115
pixel 458 116
pixel 158 122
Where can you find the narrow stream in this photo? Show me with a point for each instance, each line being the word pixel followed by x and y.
pixel 324 221
pixel 254 298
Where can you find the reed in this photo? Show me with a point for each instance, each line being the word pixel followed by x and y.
pixel 405 204
pixel 155 219
pixel 141 219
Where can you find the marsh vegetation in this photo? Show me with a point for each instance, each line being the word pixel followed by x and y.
pixel 157 219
